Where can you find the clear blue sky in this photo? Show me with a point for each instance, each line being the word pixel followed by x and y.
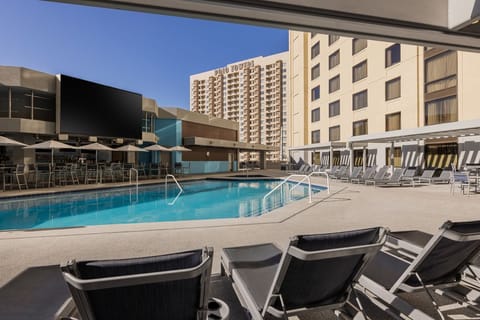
pixel 146 53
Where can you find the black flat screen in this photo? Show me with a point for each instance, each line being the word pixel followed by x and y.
pixel 92 109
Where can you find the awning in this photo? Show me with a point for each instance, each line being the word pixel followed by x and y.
pixel 219 143
pixel 437 131
pixel 319 146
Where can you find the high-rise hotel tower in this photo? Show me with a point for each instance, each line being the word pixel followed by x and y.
pixel 254 93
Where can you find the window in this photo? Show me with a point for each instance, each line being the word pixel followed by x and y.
pixel 360 100
pixel 392 55
pixel 4 104
pixel 334 84
pixel 316 136
pixel 358 45
pixel 316 93
pixel 21 103
pixel 441 155
pixel 392 89
pixel 315 50
pixel 393 121
pixel 334 59
pixel 316 115
pixel 332 38
pixel 334 108
pixel 441 111
pixel 359 71
pixel 315 72
pixel 397 157
pixel 44 106
pixel 334 133
pixel 360 127
pixel 441 72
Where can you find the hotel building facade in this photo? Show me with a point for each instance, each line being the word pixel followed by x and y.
pixel 381 103
pixel 252 92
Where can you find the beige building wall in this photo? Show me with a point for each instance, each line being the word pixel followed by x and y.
pixel 252 92
pixel 468 85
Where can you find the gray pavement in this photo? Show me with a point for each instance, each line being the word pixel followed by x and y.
pixel 347 207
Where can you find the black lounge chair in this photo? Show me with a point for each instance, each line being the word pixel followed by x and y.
pixel 315 272
pixel 436 261
pixel 173 286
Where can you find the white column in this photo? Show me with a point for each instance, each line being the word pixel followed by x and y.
pixel 364 158
pixel 350 145
pixel 331 157
pixel 392 156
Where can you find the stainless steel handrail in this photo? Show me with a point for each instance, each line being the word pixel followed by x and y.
pixel 322 174
pixel 304 176
pixel 130 176
pixel 174 179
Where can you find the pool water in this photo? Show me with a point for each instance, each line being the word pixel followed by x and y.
pixel 205 199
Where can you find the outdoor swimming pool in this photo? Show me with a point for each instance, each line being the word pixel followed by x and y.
pixel 205 199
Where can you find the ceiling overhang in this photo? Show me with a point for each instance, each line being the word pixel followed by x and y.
pixel 440 23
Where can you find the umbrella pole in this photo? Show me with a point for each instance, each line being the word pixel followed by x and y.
pixel 52 158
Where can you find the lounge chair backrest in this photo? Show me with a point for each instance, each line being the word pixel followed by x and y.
pixel 396 175
pixel 427 173
pixel 410 173
pixel 302 167
pixel 356 172
pixel 380 173
pixel 173 286
pixel 369 173
pixel 447 254
pixel 318 270
pixel 445 175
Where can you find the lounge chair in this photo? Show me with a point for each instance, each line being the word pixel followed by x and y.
pixel 436 261
pixel 173 286
pixel 356 172
pixel 380 175
pixel 445 177
pixel 394 180
pixel 342 171
pixel 368 174
pixel 315 272
pixel 426 174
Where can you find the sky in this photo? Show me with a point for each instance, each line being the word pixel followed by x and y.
pixel 150 54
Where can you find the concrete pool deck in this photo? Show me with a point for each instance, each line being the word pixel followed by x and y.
pixel 347 207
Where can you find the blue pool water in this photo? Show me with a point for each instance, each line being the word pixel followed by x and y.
pixel 206 199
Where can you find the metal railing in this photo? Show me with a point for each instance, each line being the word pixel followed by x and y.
pixel 130 176
pixel 174 179
pixel 304 176
pixel 322 174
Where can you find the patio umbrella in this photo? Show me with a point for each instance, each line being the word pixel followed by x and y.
pixel 157 147
pixel 6 142
pixel 50 145
pixel 130 148
pixel 97 147
pixel 179 148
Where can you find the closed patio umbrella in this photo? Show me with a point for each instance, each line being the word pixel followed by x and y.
pixel 179 148
pixel 7 142
pixel 157 147
pixel 130 148
pixel 50 145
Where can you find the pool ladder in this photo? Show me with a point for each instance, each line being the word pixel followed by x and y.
pixel 171 203
pixel 304 177
pixel 135 171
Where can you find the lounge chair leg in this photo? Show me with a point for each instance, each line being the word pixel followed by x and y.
pixel 360 307
pixel 435 304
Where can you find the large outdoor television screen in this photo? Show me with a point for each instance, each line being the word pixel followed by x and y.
pixel 92 109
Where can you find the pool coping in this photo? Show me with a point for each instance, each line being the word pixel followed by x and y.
pixel 278 215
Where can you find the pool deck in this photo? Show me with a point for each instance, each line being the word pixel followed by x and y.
pixel 349 206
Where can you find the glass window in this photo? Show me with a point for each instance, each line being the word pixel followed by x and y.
pixel 441 111
pixel 315 50
pixel 360 100
pixel 334 133
pixel 392 55
pixel 316 93
pixel 359 71
pixel 44 106
pixel 393 121
pixel 316 115
pixel 21 103
pixel 4 102
pixel 334 84
pixel 441 155
pixel 393 89
pixel 332 38
pixel 334 59
pixel 441 72
pixel 397 157
pixel 360 127
pixel 334 108
pixel 316 136
pixel 315 71
pixel 358 45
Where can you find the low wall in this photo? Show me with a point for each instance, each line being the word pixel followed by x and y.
pixel 199 167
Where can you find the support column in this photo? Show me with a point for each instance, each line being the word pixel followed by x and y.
pixel 392 155
pixel 350 145
pixel 331 157
pixel 364 158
